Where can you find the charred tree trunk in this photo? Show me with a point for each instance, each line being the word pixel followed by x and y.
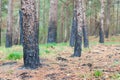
pixel 38 18
pixel 0 20
pixel 85 31
pixel 21 26
pixel 52 30
pixel 74 26
pixel 9 25
pixel 107 19
pixel 78 38
pixel 101 30
pixel 30 34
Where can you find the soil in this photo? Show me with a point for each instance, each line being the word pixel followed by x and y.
pixel 105 58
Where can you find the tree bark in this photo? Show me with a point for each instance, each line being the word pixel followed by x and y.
pixel 74 26
pixel 62 20
pixel 21 26
pixel 38 17
pixel 52 30
pixel 85 29
pixel 101 29
pixel 0 20
pixel 108 19
pixel 30 34
pixel 9 25
pixel 78 39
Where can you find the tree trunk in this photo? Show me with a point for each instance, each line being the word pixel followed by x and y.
pixel 52 30
pixel 30 34
pixel 16 33
pixel 62 20
pixel 21 26
pixel 38 17
pixel 118 29
pixel 0 20
pixel 107 19
pixel 74 26
pixel 9 25
pixel 67 27
pixel 78 39
pixel 101 29
pixel 85 29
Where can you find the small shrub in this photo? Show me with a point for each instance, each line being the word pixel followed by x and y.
pixel 14 56
pixel 98 73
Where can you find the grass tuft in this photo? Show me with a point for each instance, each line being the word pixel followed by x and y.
pixel 14 56
pixel 98 73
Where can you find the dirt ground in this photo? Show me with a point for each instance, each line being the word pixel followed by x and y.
pixel 105 58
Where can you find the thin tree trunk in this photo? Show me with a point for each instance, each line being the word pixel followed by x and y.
pixel 30 34
pixel 101 29
pixel 108 19
pixel 78 41
pixel 74 26
pixel 15 28
pixel 52 30
pixel 85 28
pixel 67 28
pixel 16 33
pixel 62 24
pixel 9 24
pixel 118 18
pixel 0 20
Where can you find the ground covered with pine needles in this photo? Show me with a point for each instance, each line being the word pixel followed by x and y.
pixel 98 62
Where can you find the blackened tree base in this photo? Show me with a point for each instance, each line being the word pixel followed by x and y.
pixel 107 34
pixel 101 36
pixel 8 40
pixel 73 30
pixel 78 46
pixel 52 33
pixel 85 37
pixel 31 58
pixel 31 50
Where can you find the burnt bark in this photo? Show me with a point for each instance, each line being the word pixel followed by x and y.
pixel 85 28
pixel 108 19
pixel 79 34
pixel 74 28
pixel 9 25
pixel 85 36
pixel 78 46
pixel 101 29
pixel 30 34
pixel 52 30
pixel 21 26
pixel 101 35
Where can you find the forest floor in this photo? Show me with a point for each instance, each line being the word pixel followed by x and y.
pixel 98 62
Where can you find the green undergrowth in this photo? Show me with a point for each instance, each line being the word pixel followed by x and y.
pixel 98 73
pixel 50 49
pixel 14 56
